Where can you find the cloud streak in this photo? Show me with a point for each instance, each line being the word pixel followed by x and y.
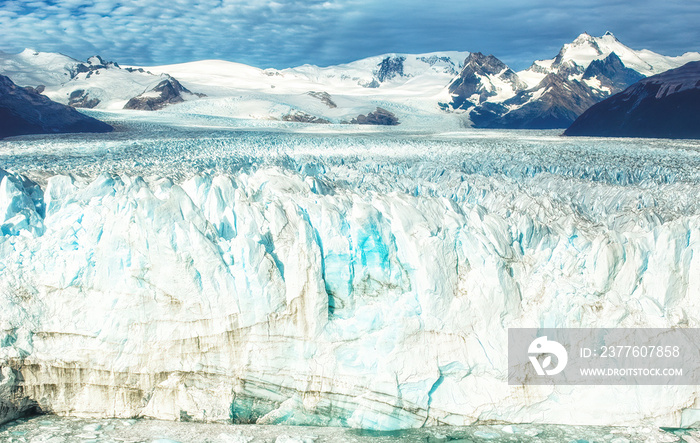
pixel 282 33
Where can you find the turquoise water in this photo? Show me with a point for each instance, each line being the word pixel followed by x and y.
pixel 55 429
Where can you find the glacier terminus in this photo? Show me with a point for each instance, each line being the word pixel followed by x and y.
pixel 218 270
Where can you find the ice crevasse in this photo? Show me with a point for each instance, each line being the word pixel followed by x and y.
pixel 278 297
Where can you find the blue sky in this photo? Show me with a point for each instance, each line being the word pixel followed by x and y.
pixel 282 33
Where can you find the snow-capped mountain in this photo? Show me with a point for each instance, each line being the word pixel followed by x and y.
pixel 93 84
pixel 449 90
pixel 407 85
pixel 484 77
pixel 586 49
pixel 552 93
pixel 664 105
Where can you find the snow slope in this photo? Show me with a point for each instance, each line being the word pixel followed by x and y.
pixel 414 87
pixel 410 86
pixel 339 279
pixel 32 68
pixel 237 90
pixel 62 76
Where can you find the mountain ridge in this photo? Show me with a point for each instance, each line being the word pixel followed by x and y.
pixel 438 89
pixel 26 111
pixel 665 105
pixel 558 90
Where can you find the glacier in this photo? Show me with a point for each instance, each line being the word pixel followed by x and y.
pixel 335 277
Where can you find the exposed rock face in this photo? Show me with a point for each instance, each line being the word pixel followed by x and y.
pixel 25 111
pixel 562 101
pixel 39 89
pixel 81 99
pixel 554 103
pixel 584 72
pixel 379 117
pixel 166 93
pixel 666 105
pixel 471 87
pixel 324 97
pixel 93 65
pixel 389 68
pixel 302 117
pixel 449 65
pixel 612 73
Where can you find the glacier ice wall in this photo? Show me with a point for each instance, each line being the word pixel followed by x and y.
pixel 372 293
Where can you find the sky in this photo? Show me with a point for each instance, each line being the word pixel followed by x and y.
pixel 285 33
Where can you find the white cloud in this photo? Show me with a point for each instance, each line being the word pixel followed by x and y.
pixel 282 33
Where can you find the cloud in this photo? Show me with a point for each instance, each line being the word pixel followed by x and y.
pixel 281 33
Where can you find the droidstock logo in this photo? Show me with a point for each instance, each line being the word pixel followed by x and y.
pixel 540 346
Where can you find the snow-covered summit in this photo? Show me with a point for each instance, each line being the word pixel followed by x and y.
pixel 416 88
pixel 371 72
pixel 95 83
pixel 32 68
pixel 587 48
pixel 552 93
pixel 408 85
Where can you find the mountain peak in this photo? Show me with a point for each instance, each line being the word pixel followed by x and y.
pixel 584 37
pixel 478 59
pixel 610 37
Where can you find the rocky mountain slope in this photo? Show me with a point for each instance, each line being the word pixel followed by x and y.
pixel 25 111
pixel 665 105
pixel 552 93
pixel 447 90
pixel 408 86
pixel 95 83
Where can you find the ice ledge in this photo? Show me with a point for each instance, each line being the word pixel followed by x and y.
pixel 259 298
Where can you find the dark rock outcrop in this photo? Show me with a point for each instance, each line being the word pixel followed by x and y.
pixel 39 89
pixel 302 117
pixel 470 82
pixel 26 112
pixel 165 93
pixel 324 97
pixel 93 65
pixel 379 117
pixel 81 99
pixel 389 68
pixel 612 73
pixel 666 105
pixel 561 102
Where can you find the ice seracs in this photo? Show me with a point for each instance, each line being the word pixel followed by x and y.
pixel 351 281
